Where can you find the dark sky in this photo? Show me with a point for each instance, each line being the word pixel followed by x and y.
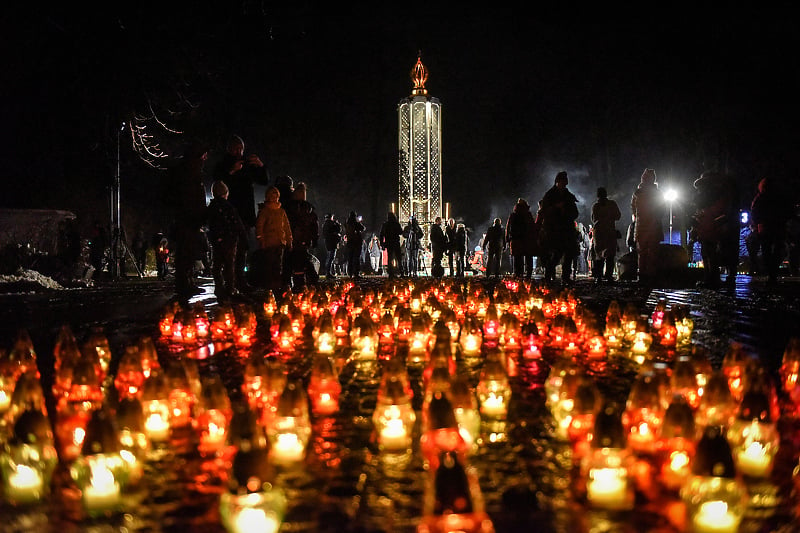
pixel 314 92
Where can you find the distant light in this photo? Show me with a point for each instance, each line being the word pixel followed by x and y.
pixel 670 195
pixel 745 217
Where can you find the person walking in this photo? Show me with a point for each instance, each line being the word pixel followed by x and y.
pixel 390 241
pixel 274 236
pixel 332 235
pixel 605 213
pixel 354 230
pixel 559 210
pixel 413 236
pixel 438 248
pixel 521 235
pixel 240 173
pixel 225 228
pixel 494 242
pixel 647 207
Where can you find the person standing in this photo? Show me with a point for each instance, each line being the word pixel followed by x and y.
pixel 559 210
pixel 274 235
pixel 460 247
pixel 521 235
pixel 715 225
pixel 647 207
pixel 413 235
pixel 375 254
pixel 390 241
pixel 450 233
pixel 304 223
pixel 438 248
pixel 225 228
pixel 188 199
pixel 332 235
pixel 770 212
pixel 354 230
pixel 241 173
pixel 494 242
pixel 605 213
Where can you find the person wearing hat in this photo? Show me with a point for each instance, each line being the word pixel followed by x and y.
pixel 225 233
pixel 274 236
pixel 605 213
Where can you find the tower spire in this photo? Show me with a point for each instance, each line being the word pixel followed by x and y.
pixel 419 75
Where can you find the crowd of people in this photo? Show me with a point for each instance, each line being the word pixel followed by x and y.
pixel 272 247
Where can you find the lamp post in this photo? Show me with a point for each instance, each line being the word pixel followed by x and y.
pixel 670 195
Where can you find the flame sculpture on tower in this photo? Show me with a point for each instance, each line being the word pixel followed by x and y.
pixel 420 149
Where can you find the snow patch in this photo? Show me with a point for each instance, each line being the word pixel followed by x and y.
pixel 31 276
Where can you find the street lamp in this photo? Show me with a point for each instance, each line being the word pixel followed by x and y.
pixel 670 195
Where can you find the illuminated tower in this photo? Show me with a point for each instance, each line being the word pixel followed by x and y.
pixel 420 151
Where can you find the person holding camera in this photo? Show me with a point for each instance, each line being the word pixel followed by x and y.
pixel 241 173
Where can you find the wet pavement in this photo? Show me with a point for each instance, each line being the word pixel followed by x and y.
pixel 526 475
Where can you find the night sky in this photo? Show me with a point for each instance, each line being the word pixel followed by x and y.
pixel 314 93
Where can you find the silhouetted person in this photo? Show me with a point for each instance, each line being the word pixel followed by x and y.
pixel 390 233
pixel 770 212
pixel 521 234
pixel 413 235
pixel 354 230
pixel 647 206
pixel 305 234
pixel 494 242
pixel 438 248
pixel 332 235
pixel 460 247
pixel 225 231
pixel 240 173
pixel 559 210
pixel 605 214
pixel 450 233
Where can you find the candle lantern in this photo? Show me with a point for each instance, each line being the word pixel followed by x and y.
pixel 341 322
pixel 717 406
pixel 224 323
pixel 213 417
pixel 641 341
pixel 22 357
pixel 493 388
pixel 386 334
pixel 202 324
pixel 668 332
pixel 364 341
pixel 324 337
pixel 156 407
pixel 465 408
pixel 735 365
pixel 614 333
pixel 453 501
pixel 596 345
pixel 189 335
pixel 676 443
pixel 511 333
pixel 657 318
pixel 324 387
pixel 491 325
pixel 290 430
pixel 715 499
pixel 27 395
pixel 606 467
pixel 451 321
pixel 270 305
pixel 148 355
pixel 702 367
pixel 753 436
pixel 555 379
pixel 133 440
pixel 393 417
pixel 65 352
pixel 684 324
pixel 683 381
pixel 98 342
pixel 532 341
pixel 261 511
pixel 586 404
pixel 419 340
pixel 471 337
pixel 643 414
pixel 630 321
pixel 441 433
pixel 165 322
pixel 181 395
pixel 130 375
pixel 564 403
pixel 28 460
pixel 100 472
pixel 6 392
pixel 789 370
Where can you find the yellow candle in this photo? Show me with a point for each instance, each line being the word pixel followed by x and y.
pixel 326 404
pixel 103 490
pixel 394 436
pixel 248 520
pixel 156 427
pixel 288 448
pixel 753 461
pixel 5 401
pixel 25 485
pixel 213 438
pixel 493 406
pixel 714 517
pixel 607 488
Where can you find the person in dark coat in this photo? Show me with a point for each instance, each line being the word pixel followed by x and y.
pixel 647 207
pixel 605 213
pixel 240 173
pixel 450 233
pixel 354 230
pixel 438 248
pixel 494 242
pixel 332 235
pixel 521 236
pixel 770 212
pixel 715 225
pixel 559 210
pixel 460 247
pixel 225 230
pixel 413 234
pixel 304 223
pixel 390 233
pixel 188 200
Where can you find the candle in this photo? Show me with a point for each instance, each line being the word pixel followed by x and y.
pixel 493 406
pixel 156 427
pixel 607 487
pixel 249 520
pixel 213 438
pixel 288 448
pixel 714 517
pixel 103 490
pixel 641 438
pixel 5 401
pixel 326 404
pixel 25 485
pixel 471 345
pixel 753 461
pixel 394 436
